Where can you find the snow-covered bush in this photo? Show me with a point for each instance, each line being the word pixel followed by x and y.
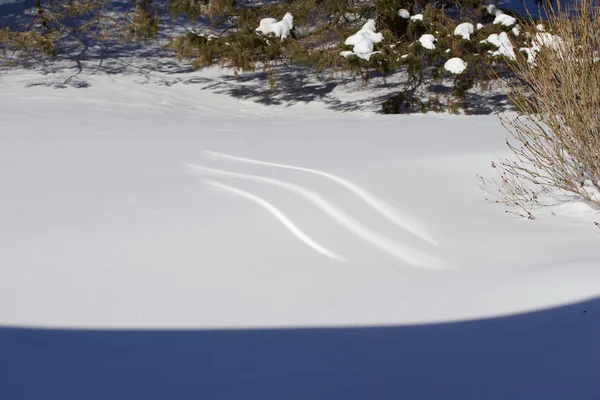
pixel 352 38
pixel 556 136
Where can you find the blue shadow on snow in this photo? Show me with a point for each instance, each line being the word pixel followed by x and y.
pixel 549 354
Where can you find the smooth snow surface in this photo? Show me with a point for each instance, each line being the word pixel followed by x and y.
pixel 167 241
pixel 455 65
pixel 465 30
pixel 118 171
pixel 280 29
pixel 417 17
pixel 428 41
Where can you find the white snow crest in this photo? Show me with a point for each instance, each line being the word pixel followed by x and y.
pixel 503 43
pixel 505 20
pixel 540 40
pixel 403 13
pixel 501 18
pixel 465 30
pixel 455 65
pixel 493 10
pixel 281 28
pixel 417 17
pixel 363 41
pixel 427 41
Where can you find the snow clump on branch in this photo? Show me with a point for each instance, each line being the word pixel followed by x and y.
pixel 281 28
pixel 363 41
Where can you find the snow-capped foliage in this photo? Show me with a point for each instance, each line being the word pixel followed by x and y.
pixel 417 17
pixel 501 18
pixel 480 26
pixel 503 43
pixel 465 30
pixel 403 13
pixel 540 27
pixel 493 10
pixel 455 65
pixel 279 28
pixel 427 41
pixel 516 30
pixel 363 41
pixel 540 40
pixel 492 39
pixel 547 39
pixel 505 20
pixel 530 54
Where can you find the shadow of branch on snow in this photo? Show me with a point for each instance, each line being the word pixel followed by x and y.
pixel 151 62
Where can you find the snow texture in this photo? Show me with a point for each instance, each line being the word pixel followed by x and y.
pixel 465 30
pixel 427 41
pixel 280 29
pixel 417 17
pixel 455 65
pixel 480 26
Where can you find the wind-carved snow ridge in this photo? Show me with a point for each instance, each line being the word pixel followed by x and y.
pixel 391 213
pixel 398 250
pixel 280 216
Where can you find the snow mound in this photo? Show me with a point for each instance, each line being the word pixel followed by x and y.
pixel 417 17
pixel 281 28
pixel 455 65
pixel 363 41
pixel 403 13
pixel 427 41
pixel 465 30
pixel 479 26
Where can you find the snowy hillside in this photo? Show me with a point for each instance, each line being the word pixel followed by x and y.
pixel 175 237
